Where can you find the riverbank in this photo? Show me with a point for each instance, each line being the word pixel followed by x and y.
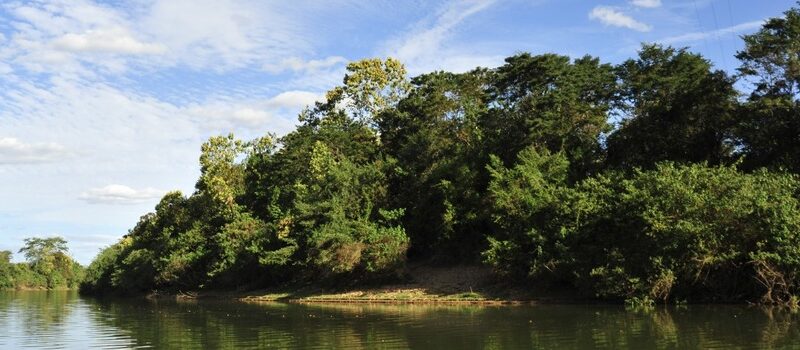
pixel 425 285
pixel 38 289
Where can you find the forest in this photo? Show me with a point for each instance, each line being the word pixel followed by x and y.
pixel 659 178
pixel 47 266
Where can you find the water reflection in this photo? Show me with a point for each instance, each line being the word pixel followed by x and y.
pixel 54 320
pixel 64 320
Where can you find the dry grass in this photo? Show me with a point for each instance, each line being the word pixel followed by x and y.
pixel 447 285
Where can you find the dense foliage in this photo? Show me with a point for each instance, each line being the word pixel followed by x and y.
pixel 47 267
pixel 651 179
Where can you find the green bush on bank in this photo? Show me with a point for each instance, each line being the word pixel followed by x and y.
pixel 689 232
pixel 675 232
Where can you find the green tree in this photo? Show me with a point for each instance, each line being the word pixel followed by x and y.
pixel 370 87
pixel 771 56
pixel 221 173
pixel 339 211
pixel 42 250
pixel 435 138
pixel 674 108
pixel 525 200
pixel 7 271
pixel 48 259
pixel 770 126
pixel 550 102
pixel 100 270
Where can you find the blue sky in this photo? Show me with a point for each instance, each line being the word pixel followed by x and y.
pixel 104 105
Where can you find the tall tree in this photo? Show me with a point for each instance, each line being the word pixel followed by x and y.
pixel 370 87
pixel 552 102
pixel 674 107
pixel 770 128
pixel 48 257
pixel 771 56
pixel 435 137
pixel 40 250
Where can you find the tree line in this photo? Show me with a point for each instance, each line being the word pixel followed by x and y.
pixel 47 266
pixel 653 179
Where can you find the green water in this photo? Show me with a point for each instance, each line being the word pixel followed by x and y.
pixel 64 320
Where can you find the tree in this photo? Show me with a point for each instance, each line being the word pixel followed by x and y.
pixel 525 202
pixel 340 215
pixel 770 127
pixel 370 87
pixel 48 258
pixel 222 176
pixel 43 250
pixel 674 108
pixel 687 232
pixel 772 56
pixel 434 136
pixel 6 270
pixel 551 102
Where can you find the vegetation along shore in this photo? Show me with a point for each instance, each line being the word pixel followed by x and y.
pixel 658 179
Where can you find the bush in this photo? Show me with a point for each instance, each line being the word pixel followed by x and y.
pixel 525 204
pixel 708 233
pixel 688 232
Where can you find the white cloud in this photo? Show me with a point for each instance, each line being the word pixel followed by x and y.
pixel 275 114
pixel 294 99
pixel 612 17
pixel 296 64
pixel 223 34
pixel 427 40
pixel 71 38
pixel 13 151
pixel 115 40
pixel 81 37
pixel 426 48
pixel 697 36
pixel 646 3
pixel 120 194
pixel 221 115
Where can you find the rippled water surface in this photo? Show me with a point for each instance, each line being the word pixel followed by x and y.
pixel 63 320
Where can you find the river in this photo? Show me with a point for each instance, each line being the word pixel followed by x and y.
pixel 65 320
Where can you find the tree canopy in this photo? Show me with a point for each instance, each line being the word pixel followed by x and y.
pixel 652 179
pixel 48 266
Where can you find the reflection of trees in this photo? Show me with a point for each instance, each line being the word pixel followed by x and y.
pixel 35 318
pixel 781 330
pixel 226 325
pixel 42 311
pixel 231 325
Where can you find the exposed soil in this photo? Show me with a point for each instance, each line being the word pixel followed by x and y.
pixel 426 284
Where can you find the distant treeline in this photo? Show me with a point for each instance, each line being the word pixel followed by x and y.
pixel 47 267
pixel 654 179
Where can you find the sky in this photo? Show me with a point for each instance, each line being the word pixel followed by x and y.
pixel 104 104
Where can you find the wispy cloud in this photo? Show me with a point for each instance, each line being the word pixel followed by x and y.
pixel 425 47
pixel 278 112
pixel 14 151
pixel 294 99
pixel 223 34
pixel 116 40
pixel 697 36
pixel 120 194
pixel 646 3
pixel 296 64
pixel 613 17
pixel 427 40
pixel 84 37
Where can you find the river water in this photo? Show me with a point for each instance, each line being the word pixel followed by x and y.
pixel 64 320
